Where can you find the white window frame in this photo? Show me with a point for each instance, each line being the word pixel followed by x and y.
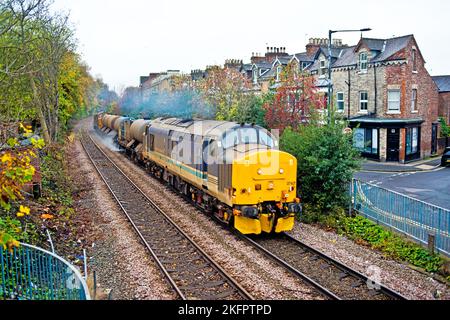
pixel 304 65
pixel 340 101
pixel 391 102
pixel 361 101
pixel 414 107
pixel 255 75
pixel 323 66
pixel 279 70
pixel 363 62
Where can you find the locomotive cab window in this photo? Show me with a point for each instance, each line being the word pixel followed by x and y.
pixel 247 136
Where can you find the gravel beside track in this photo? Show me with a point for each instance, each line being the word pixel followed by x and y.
pixel 117 256
pixel 412 284
pixel 190 271
pixel 341 281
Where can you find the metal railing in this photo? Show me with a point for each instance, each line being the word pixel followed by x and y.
pixel 31 273
pixel 421 221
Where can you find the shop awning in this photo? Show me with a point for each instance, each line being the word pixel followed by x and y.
pixel 371 122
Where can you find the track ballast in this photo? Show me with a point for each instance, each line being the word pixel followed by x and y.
pixel 189 270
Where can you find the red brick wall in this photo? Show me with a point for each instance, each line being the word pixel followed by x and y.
pixel 427 94
pixel 444 106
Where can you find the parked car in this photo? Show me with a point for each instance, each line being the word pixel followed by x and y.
pixel 446 157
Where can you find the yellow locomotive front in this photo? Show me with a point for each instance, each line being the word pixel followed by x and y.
pixel 265 192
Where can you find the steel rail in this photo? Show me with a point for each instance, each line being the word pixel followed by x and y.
pixel 320 288
pixel 346 271
pixel 292 269
pixel 382 289
pixel 239 289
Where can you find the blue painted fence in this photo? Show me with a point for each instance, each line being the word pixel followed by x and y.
pixel 31 273
pixel 403 214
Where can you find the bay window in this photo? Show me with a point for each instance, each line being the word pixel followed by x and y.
pixel 366 141
pixel 412 141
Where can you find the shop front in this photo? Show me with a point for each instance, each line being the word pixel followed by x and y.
pixel 388 140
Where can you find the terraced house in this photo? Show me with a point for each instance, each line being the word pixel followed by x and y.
pixel 384 89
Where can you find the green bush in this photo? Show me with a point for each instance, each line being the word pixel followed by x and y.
pixel 22 231
pixel 326 163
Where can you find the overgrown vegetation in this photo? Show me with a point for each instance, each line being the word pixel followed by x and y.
pixel 43 85
pixel 367 233
pixel 445 130
pixel 327 162
pixel 42 77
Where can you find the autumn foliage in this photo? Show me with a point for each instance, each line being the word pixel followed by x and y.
pixel 295 99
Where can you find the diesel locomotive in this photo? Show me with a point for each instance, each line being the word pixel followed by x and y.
pixel 233 171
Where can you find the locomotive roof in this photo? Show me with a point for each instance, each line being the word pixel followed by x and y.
pixel 200 127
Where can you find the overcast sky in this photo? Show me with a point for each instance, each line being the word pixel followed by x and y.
pixel 122 40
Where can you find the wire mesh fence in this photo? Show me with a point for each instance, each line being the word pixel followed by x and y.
pixel 31 273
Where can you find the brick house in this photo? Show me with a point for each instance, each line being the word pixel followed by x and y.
pixel 384 89
pixel 443 84
pixel 157 82
pixel 264 68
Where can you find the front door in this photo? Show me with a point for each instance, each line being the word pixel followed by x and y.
pixel 393 145
pixel 434 139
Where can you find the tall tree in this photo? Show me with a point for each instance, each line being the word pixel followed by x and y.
pixel 41 76
pixel 225 91
pixel 294 101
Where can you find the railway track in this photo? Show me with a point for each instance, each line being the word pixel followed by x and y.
pixel 327 276
pixel 330 277
pixel 188 269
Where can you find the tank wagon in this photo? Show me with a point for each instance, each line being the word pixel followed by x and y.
pixel 233 171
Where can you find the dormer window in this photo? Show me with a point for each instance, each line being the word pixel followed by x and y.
pixel 279 70
pixel 323 67
pixel 255 75
pixel 304 65
pixel 363 61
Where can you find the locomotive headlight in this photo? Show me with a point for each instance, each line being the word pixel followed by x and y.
pixel 260 172
pixel 295 208
pixel 281 171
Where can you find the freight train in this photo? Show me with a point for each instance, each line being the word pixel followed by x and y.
pixel 232 171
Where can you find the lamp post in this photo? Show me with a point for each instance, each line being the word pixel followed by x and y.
pixel 330 91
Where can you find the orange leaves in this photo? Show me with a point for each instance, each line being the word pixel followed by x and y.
pixel 47 216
